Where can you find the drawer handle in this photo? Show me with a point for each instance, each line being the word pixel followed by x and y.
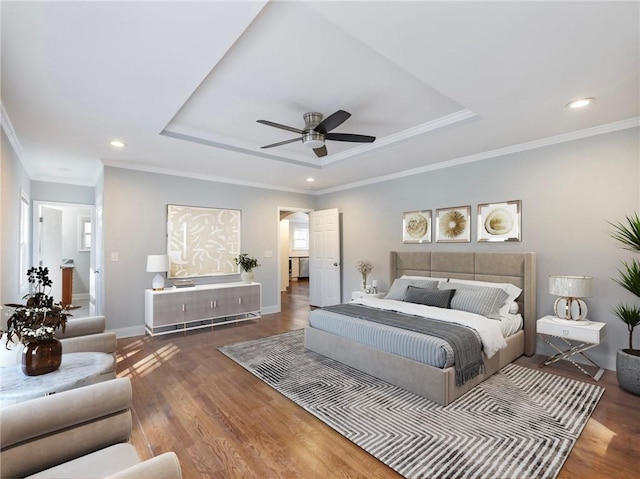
pixel 184 308
pixel 240 300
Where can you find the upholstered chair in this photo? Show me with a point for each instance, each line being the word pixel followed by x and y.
pixel 81 433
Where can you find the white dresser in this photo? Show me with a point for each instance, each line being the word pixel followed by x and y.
pixel 180 309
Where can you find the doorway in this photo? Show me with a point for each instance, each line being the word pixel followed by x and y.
pixel 63 241
pixel 293 251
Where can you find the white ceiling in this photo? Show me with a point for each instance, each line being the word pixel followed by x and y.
pixel 183 83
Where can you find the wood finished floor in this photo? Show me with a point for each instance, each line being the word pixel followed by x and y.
pixel 222 422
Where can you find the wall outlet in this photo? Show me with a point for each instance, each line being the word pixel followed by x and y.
pixel 268 253
pixel 114 256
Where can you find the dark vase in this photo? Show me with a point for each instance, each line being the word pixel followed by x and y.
pixel 41 357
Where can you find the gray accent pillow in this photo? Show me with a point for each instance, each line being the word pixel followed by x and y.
pixel 398 289
pixel 481 300
pixel 429 297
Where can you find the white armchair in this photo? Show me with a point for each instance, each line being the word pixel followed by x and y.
pixel 82 433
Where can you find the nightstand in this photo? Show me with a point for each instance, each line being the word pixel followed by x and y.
pixel 362 294
pixel 578 335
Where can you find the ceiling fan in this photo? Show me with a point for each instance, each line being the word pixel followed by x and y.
pixel 316 131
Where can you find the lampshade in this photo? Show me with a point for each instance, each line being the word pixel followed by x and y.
pixel 571 289
pixel 157 263
pixel 571 286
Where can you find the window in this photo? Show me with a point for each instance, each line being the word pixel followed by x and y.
pixel 84 233
pixel 300 238
pixel 24 241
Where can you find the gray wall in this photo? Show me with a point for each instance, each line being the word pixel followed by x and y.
pixel 568 191
pixel 14 181
pixel 62 193
pixel 134 221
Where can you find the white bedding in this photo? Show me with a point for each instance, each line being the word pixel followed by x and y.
pixel 489 330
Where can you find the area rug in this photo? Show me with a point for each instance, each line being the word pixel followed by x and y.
pixel 520 423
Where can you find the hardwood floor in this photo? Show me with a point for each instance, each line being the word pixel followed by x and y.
pixel 222 422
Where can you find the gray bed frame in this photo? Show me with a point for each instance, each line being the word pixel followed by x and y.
pixel 430 382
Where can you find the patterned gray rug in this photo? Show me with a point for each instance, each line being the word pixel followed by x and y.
pixel 520 423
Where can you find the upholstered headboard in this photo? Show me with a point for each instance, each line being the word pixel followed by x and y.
pixel 515 268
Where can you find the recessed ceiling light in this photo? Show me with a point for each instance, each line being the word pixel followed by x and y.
pixel 580 103
pixel 310 180
pixel 118 143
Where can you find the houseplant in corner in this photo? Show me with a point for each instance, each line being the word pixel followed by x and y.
pixel 34 324
pixel 247 265
pixel 628 360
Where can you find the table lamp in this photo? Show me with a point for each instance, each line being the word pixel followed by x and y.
pixel 571 289
pixel 157 263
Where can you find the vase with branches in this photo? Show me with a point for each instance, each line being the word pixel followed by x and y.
pixel 364 268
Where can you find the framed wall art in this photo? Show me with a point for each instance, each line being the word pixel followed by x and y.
pixel 416 226
pixel 499 221
pixel 453 225
pixel 202 241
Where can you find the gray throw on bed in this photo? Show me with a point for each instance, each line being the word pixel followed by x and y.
pixel 464 341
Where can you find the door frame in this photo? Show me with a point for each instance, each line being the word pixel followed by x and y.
pixel 280 210
pixel 35 237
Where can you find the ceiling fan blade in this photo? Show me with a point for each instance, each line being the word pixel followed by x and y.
pixel 332 121
pixel 350 137
pixel 282 143
pixel 320 152
pixel 282 127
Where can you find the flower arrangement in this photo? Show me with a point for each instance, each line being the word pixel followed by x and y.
pixel 39 318
pixel 364 268
pixel 246 262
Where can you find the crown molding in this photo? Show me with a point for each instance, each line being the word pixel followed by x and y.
pixel 7 127
pixel 531 145
pixel 199 176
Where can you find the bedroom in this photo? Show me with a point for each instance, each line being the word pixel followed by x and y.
pixel 569 187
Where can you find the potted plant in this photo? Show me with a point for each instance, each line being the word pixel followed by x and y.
pixel 34 324
pixel 247 265
pixel 628 360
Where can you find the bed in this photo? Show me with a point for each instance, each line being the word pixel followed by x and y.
pixel 439 383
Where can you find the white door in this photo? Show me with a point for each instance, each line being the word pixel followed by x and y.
pixel 324 258
pixel 50 247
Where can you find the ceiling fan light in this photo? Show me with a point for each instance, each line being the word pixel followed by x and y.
pixel 312 139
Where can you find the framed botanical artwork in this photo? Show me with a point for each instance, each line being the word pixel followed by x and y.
pixel 453 225
pixel 202 241
pixel 499 221
pixel 416 226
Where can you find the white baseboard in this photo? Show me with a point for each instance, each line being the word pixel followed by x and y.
pixel 270 309
pixel 129 332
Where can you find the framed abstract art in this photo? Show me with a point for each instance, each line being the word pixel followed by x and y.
pixel 202 241
pixel 416 226
pixel 453 225
pixel 500 221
